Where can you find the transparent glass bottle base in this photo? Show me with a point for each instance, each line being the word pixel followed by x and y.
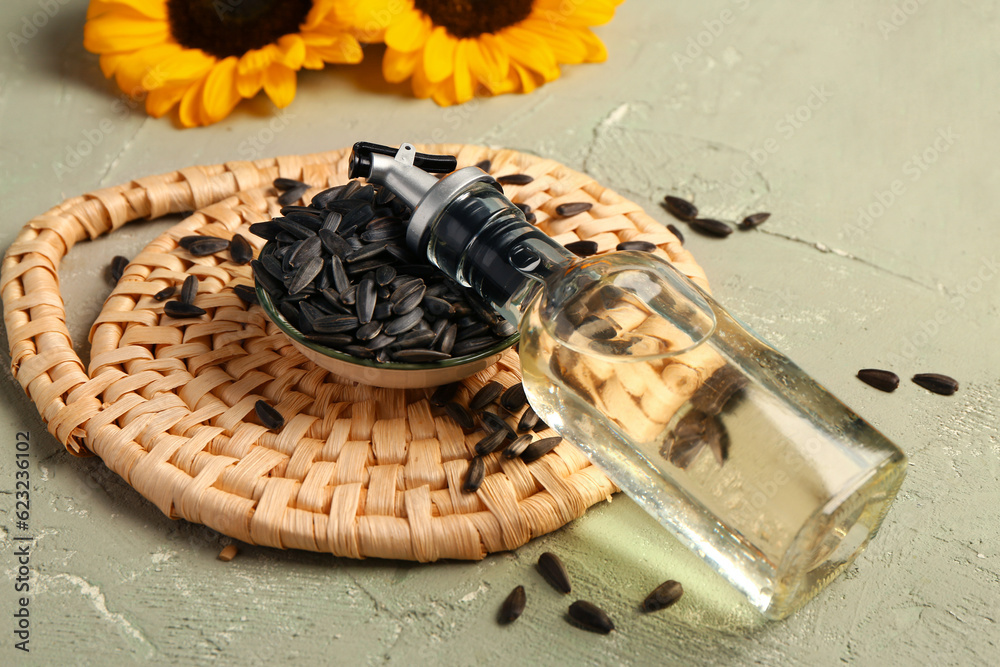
pixel 771 480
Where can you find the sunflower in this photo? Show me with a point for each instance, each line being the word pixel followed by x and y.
pixel 449 48
pixel 207 55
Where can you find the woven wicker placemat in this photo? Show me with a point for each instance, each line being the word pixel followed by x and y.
pixel 356 471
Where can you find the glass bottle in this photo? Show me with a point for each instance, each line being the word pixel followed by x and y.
pixel 724 440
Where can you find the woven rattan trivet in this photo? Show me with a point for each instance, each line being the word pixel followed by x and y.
pixel 356 471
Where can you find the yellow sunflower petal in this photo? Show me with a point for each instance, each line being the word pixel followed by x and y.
pixel 131 73
pixel 154 9
pixel 257 60
pixel 292 51
pixel 114 34
pixel 585 12
pixel 422 88
pixel 530 51
pixel 409 32
pixel 488 62
pixel 464 88
pixel 444 94
pixel 220 94
pixel 439 55
pixel 110 63
pixel 564 42
pixel 279 84
pixel 398 66
pixel 525 77
pixel 190 111
pixel 596 51
pixel 250 84
pixel 343 49
pixel 185 66
pixel 161 100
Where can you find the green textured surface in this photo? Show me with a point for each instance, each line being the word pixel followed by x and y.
pixel 914 289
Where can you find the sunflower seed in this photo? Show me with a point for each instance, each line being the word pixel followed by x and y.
pixel 240 250
pixel 447 342
pixel 485 165
pixel 936 383
pixel 460 415
pixel 307 250
pixel 525 208
pixel 404 323
pixel 582 248
pixel 641 246
pixel 486 395
pixel 265 230
pixel 268 415
pixel 882 380
pixel 409 302
pixel 186 241
pixel 663 596
pixel 333 243
pixel 490 442
pixel 340 280
pixel 551 567
pixel 117 268
pixel 366 299
pixel 369 331
pixel 331 340
pixel 382 310
pixel 573 208
pixel 304 275
pixel 590 617
pixel 693 432
pixel 437 307
pixel 359 351
pixel 528 420
pixel 517 446
pixel 290 313
pixel 415 338
pixel 287 184
pixel 444 393
pixel 681 209
pixel 493 422
pixel 419 356
pixel 377 232
pixel 754 220
pixel 322 198
pixel 380 341
pixel 331 324
pixel 165 293
pixel 473 345
pixel 513 398
pixel 179 309
pixel 295 229
pixel 189 290
pixel 384 275
pixel 474 475
pixel 207 245
pixel 540 448
pixel 711 227
pixel 475 330
pixel 676 232
pixel 264 277
pixel 365 252
pixel 513 606
pixel 292 195
pixel 515 179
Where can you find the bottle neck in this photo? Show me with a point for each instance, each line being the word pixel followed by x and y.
pixel 484 243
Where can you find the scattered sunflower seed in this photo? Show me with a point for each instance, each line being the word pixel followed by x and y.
pixel 292 195
pixel 882 380
pixel 590 617
pixel 118 264
pixel 268 415
pixel 676 232
pixel 642 246
pixel 540 448
pixel 246 294
pixel 490 443
pixel 936 383
pixel 528 420
pixel 486 395
pixel 513 398
pixel 287 184
pixel 474 475
pixel 681 209
pixel 165 293
pixel 517 447
pixel 485 165
pixel 711 227
pixel 207 245
pixel 444 393
pixel 461 415
pixel 663 596
pixel 178 309
pixel 513 606
pixel 573 208
pixel 515 179
pixel 189 290
pixel 755 220
pixel 582 248
pixel 240 250
pixel 551 567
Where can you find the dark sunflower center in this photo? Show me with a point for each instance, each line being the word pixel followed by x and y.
pixel 226 28
pixel 472 18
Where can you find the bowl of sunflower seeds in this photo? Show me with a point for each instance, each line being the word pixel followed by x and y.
pixel 336 278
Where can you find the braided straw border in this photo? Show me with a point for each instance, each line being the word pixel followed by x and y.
pixel 382 511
